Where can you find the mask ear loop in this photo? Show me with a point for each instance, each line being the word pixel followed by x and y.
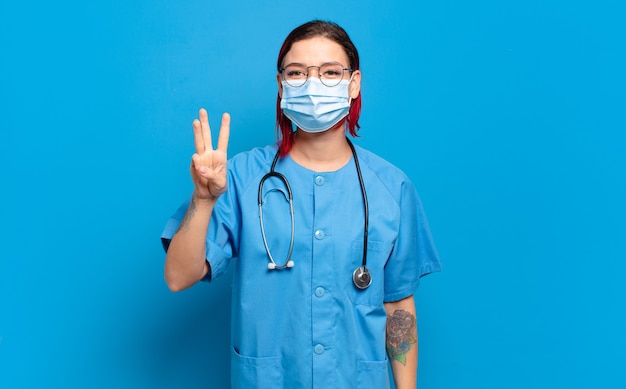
pixel 350 82
pixel 346 127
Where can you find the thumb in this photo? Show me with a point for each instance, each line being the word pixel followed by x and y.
pixel 196 164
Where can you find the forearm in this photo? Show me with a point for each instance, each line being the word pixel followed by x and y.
pixel 185 262
pixel 402 342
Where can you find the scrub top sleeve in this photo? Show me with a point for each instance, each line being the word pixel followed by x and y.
pixel 414 254
pixel 172 224
pixel 219 240
pixel 222 240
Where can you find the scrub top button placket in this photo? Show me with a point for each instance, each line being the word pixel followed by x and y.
pixel 323 307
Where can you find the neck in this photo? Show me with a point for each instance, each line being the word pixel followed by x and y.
pixel 325 151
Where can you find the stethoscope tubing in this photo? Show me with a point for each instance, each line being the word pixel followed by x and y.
pixel 272 173
pixel 366 211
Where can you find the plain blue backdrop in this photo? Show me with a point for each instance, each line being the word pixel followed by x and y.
pixel 508 117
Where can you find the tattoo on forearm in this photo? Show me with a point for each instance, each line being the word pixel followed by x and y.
pixel 184 225
pixel 401 335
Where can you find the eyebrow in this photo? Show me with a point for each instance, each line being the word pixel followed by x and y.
pixel 325 63
pixel 294 63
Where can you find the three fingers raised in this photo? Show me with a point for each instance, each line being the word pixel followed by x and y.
pixel 202 133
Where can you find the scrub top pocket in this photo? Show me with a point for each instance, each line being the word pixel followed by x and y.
pixel 377 255
pixel 373 375
pixel 252 372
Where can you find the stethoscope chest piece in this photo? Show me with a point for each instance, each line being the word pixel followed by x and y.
pixel 362 277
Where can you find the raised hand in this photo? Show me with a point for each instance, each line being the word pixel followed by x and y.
pixel 208 166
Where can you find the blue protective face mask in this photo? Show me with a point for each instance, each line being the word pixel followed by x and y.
pixel 315 107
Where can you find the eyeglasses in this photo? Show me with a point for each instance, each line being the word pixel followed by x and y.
pixel 330 73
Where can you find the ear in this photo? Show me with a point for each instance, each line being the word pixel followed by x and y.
pixel 280 85
pixel 355 85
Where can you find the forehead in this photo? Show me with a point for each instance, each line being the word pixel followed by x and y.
pixel 316 51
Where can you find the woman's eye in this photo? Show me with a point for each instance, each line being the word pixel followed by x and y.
pixel 295 73
pixel 331 71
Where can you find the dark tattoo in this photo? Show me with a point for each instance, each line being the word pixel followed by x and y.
pixel 184 225
pixel 401 335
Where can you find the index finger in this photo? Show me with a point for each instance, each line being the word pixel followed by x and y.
pixel 222 140
pixel 197 136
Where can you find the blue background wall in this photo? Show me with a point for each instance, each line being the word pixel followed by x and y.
pixel 508 116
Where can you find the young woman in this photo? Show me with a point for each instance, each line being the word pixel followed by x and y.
pixel 330 239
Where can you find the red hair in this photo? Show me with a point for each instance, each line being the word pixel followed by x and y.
pixel 332 31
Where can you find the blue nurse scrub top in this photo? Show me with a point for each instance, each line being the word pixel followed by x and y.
pixel 309 326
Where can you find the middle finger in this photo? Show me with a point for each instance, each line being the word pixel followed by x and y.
pixel 206 130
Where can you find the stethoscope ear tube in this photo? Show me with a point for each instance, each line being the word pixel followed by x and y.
pixel 288 262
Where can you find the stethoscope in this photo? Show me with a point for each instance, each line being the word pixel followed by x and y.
pixel 361 276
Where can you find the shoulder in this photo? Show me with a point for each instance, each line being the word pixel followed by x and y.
pixel 252 160
pixel 248 166
pixel 385 171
